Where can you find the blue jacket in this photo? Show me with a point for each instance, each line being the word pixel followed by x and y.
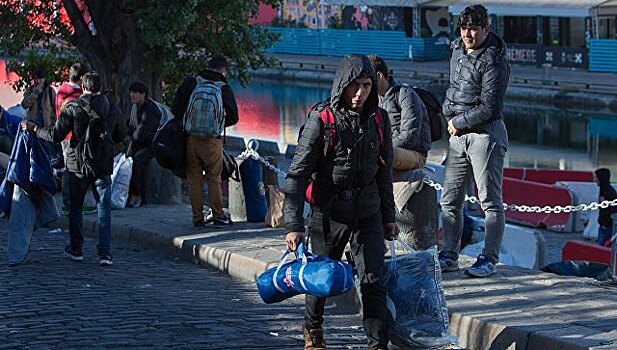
pixel 9 124
pixel 29 168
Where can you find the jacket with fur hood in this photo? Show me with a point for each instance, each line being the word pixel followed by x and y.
pixel 75 117
pixel 352 164
pixel 478 82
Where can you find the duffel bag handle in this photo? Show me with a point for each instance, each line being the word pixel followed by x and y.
pixel 405 246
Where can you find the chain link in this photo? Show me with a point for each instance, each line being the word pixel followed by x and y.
pixel 535 209
pixel 471 199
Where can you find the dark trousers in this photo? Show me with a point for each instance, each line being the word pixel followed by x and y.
pixel 366 238
pixel 141 160
pixel 78 186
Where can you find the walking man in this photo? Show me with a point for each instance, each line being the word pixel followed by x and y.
pixel 411 131
pixel 208 105
pixel 478 141
pixel 76 117
pixel 351 192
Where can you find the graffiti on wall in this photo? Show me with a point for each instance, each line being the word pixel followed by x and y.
pixel 373 18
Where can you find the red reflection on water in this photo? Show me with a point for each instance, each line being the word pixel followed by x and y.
pixel 8 96
pixel 258 118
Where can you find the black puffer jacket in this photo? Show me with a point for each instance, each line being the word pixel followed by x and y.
pixel 75 117
pixel 352 164
pixel 478 82
pixel 410 125
pixel 142 126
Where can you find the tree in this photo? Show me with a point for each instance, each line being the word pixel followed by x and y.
pixel 127 40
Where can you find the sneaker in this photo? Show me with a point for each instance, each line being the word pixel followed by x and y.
pixel 105 259
pixel 74 254
pixel 313 339
pixel 481 268
pixel 209 217
pixel 134 201
pixel 222 221
pixel 199 224
pixel 447 264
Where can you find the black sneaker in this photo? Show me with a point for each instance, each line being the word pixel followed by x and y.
pixel 105 259
pixel 222 221
pixel 74 254
pixel 199 224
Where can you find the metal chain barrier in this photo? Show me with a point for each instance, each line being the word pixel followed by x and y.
pixel 535 209
pixel 249 152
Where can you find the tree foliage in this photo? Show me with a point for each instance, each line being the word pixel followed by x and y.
pixel 127 40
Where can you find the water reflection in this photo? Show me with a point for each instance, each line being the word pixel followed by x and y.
pixel 540 136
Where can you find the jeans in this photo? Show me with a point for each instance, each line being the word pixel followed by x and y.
pixel 366 238
pixel 27 215
pixel 204 155
pixel 476 156
pixel 78 186
pixel 604 233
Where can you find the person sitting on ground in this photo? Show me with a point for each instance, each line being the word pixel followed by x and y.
pixel 143 123
pixel 607 192
pixel 411 129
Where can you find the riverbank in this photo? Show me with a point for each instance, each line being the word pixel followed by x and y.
pixel 546 85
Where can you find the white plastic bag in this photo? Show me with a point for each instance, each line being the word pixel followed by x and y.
pixel 120 181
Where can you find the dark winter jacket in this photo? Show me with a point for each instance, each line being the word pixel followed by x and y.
pixel 75 117
pixel 607 192
pixel 29 168
pixel 410 125
pixel 142 126
pixel 183 95
pixel 353 164
pixel 478 82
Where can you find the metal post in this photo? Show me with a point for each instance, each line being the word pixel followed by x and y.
pixel 613 244
pixel 417 22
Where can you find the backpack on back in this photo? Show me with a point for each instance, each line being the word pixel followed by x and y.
pixel 329 137
pixel 433 107
pixel 204 116
pixel 96 149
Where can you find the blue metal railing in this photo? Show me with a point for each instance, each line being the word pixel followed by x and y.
pixel 339 42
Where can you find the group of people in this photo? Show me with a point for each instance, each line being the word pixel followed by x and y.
pixel 380 126
pixel 66 118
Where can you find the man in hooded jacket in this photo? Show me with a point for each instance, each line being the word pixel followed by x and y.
pixel 352 192
pixel 607 193
pixel 473 106
pixel 75 117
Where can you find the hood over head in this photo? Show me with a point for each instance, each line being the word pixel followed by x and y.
pixel 97 106
pixel 604 176
pixel 353 67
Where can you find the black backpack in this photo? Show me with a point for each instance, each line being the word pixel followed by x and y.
pixel 96 149
pixel 169 145
pixel 433 107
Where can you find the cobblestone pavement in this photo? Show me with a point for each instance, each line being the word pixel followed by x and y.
pixel 146 300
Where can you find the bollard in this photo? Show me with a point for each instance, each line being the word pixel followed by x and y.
pixel 417 221
pixel 236 200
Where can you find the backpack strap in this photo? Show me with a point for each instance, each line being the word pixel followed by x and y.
pixel 329 130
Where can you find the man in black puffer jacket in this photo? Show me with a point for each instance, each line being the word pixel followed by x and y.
pixel 351 191
pixel 473 107
pixel 75 117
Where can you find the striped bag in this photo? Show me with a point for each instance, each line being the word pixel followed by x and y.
pixel 204 116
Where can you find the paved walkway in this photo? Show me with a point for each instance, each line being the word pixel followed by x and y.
pixel 525 308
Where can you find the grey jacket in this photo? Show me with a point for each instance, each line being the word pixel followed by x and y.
pixel 410 125
pixel 478 82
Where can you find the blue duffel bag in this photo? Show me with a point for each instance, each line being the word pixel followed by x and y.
pixel 311 274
